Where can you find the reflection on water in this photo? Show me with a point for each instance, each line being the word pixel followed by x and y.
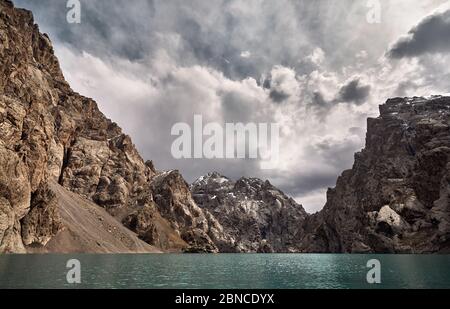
pixel 225 271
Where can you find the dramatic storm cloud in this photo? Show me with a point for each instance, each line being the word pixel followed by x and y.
pixel 317 68
pixel 353 91
pixel 432 35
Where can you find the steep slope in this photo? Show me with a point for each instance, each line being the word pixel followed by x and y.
pixel 85 227
pixel 50 133
pixel 254 215
pixel 396 196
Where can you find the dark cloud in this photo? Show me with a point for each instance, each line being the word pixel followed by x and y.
pixel 320 106
pixel 361 132
pixel 278 96
pixel 212 33
pixel 431 35
pixel 334 156
pixel 107 27
pixel 236 107
pixel 354 92
pixel 319 101
pixel 136 32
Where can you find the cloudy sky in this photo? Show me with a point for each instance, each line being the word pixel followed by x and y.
pixel 317 68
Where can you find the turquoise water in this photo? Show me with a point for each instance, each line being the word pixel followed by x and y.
pixel 225 271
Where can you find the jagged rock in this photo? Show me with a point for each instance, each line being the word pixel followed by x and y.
pixel 360 247
pixel 154 229
pixel 175 203
pixel 265 247
pixel 43 220
pixel 142 222
pixel 50 133
pixel 15 195
pixel 389 222
pixel 254 215
pixel 440 213
pixel 395 198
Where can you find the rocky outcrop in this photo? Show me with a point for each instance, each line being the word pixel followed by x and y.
pixel 251 215
pixel 395 199
pixel 174 201
pixel 43 221
pixel 171 202
pixel 50 133
pixel 15 195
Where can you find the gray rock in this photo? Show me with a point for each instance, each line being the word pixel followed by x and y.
pixel 254 215
pixel 395 198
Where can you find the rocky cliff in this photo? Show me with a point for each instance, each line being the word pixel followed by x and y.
pixel 49 133
pixel 254 215
pixel 395 199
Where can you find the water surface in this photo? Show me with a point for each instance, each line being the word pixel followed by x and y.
pixel 225 271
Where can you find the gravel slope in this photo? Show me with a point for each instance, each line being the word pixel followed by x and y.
pixel 89 228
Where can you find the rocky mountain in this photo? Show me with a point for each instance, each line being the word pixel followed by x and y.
pixel 51 135
pixel 396 198
pixel 254 215
pixel 72 181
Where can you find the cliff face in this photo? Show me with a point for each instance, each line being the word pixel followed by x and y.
pixel 49 133
pixel 254 215
pixel 396 196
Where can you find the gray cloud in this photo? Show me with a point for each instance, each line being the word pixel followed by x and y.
pixel 335 155
pixel 319 101
pixel 431 35
pixel 212 33
pixel 278 96
pixel 404 87
pixel 354 92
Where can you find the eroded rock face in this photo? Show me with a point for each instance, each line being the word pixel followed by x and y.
pixel 175 203
pixel 50 133
pixel 251 215
pixel 396 197
pixel 43 221
pixel 142 222
pixel 15 195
